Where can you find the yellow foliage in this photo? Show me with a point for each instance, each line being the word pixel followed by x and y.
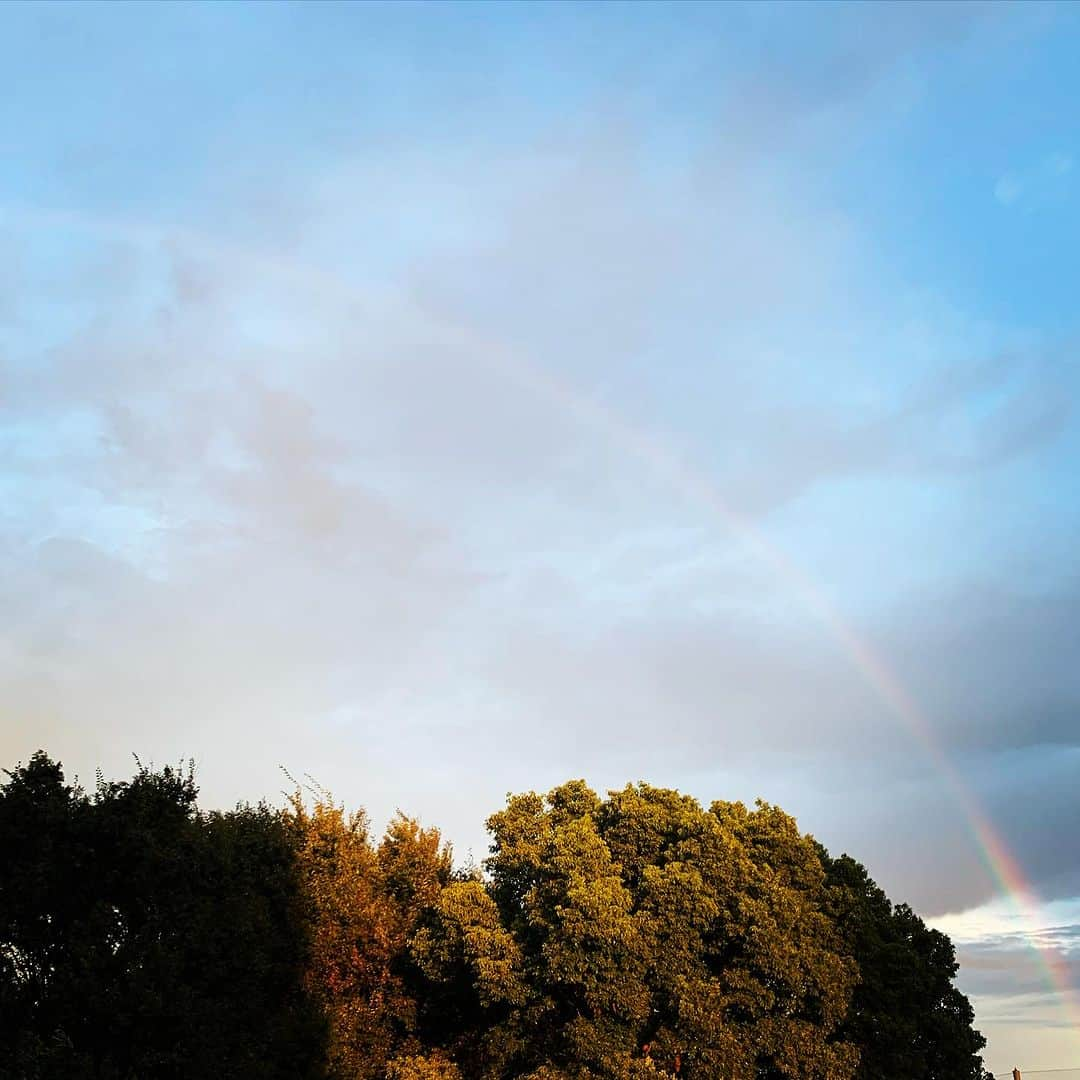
pixel 416 1067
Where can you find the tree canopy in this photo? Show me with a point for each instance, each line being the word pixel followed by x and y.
pixel 140 937
pixel 907 1015
pixel 635 935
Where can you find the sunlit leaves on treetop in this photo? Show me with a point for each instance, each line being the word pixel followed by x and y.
pixel 632 936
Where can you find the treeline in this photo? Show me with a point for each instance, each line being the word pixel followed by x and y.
pixel 632 936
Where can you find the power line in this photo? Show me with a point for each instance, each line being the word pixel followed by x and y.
pixel 1038 1072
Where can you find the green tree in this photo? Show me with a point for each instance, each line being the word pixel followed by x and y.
pixel 140 938
pixel 745 972
pixel 474 979
pixel 641 935
pixel 44 895
pixel 563 898
pixel 906 1013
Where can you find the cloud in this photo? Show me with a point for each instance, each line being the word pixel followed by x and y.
pixel 1015 995
pixel 376 468
pixel 396 459
pixel 267 496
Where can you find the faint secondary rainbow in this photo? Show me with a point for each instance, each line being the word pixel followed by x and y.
pixel 691 484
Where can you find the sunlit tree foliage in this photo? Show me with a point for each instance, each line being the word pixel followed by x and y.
pixel 630 937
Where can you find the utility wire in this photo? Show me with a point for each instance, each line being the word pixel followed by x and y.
pixel 1037 1072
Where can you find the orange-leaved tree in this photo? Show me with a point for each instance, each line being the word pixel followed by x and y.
pixel 363 906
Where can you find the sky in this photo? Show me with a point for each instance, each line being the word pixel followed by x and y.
pixel 448 400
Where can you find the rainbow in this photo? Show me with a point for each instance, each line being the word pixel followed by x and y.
pixel 1002 866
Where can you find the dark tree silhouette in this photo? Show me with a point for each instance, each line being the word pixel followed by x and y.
pixel 909 1019
pixel 139 937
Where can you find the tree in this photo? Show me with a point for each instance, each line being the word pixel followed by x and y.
pixel 474 977
pixel 43 895
pixel 363 906
pixel 745 972
pixel 419 1067
pixel 641 935
pixel 622 938
pixel 910 1020
pixel 139 937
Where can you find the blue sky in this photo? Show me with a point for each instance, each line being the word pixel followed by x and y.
pixel 379 386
